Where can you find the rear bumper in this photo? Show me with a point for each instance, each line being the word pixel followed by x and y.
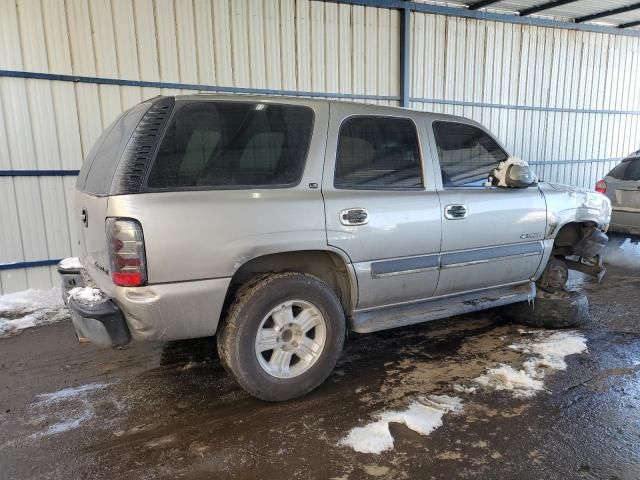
pixel 102 323
pixel 170 311
pixel 625 222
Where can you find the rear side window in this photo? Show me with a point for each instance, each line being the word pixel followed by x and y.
pixel 467 154
pixel 633 170
pixel 619 170
pixel 378 153
pixel 233 145
pixel 628 170
pixel 101 162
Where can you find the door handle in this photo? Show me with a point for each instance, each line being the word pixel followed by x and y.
pixel 455 212
pixel 354 216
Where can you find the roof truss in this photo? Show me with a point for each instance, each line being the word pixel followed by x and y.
pixel 608 13
pixel 544 6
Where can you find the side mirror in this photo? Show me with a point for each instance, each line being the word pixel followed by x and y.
pixel 519 176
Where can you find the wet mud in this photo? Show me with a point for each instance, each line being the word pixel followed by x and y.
pixel 70 410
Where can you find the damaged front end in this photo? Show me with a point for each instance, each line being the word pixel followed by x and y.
pixel 577 221
pixel 581 246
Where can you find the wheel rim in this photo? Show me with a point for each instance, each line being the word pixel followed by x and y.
pixel 290 339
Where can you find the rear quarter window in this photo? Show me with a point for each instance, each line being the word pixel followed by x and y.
pixel 230 145
pixel 619 170
pixel 628 169
pixel 102 161
pixel 633 170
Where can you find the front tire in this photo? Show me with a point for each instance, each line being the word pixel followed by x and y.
pixel 283 335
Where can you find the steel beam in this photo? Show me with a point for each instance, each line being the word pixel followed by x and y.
pixel 544 6
pixel 629 24
pixel 608 13
pixel 405 57
pixel 481 4
pixel 484 15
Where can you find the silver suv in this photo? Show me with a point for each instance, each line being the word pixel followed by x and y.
pixel 279 224
pixel 622 186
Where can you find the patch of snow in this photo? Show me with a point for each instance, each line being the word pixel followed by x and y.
pixel 74 394
pixel 462 389
pixel 70 392
pixel 422 417
pixel 70 263
pixel 87 295
pixel 505 377
pixel 30 299
pixel 65 426
pixel 550 350
pixel 30 308
pixel 553 349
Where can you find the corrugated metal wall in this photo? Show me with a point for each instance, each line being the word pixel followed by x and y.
pixel 566 100
pixel 275 44
pixel 458 66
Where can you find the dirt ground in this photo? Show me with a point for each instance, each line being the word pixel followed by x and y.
pixel 70 410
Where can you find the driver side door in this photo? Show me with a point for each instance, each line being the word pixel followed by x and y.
pixel 490 236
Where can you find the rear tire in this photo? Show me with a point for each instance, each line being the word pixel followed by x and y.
pixel 562 309
pixel 299 316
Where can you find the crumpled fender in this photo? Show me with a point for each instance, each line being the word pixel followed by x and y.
pixel 566 204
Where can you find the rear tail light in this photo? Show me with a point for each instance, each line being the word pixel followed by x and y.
pixel 126 252
pixel 601 186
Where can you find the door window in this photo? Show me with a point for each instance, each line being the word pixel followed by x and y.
pixel 230 145
pixel 378 153
pixel 467 154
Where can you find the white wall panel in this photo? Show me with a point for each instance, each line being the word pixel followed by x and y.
pixel 299 45
pixel 302 45
pixel 532 66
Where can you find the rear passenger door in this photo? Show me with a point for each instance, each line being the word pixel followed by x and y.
pixel 381 206
pixel 490 236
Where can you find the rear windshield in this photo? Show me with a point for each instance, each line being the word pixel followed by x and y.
pixel 101 162
pixel 233 145
pixel 628 169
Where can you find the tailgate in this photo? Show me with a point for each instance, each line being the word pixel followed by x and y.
pixel 90 213
pixel 627 195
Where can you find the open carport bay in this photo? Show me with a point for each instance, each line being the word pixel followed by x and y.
pixel 169 410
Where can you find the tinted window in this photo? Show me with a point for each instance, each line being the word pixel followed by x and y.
pixel 101 162
pixel 378 152
pixel 467 154
pixel 233 145
pixel 627 170
pixel 633 170
pixel 618 171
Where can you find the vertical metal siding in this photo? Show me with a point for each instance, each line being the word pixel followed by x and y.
pixel 568 77
pixel 510 65
pixel 278 44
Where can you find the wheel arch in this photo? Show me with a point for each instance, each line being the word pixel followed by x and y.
pixel 569 234
pixel 331 266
